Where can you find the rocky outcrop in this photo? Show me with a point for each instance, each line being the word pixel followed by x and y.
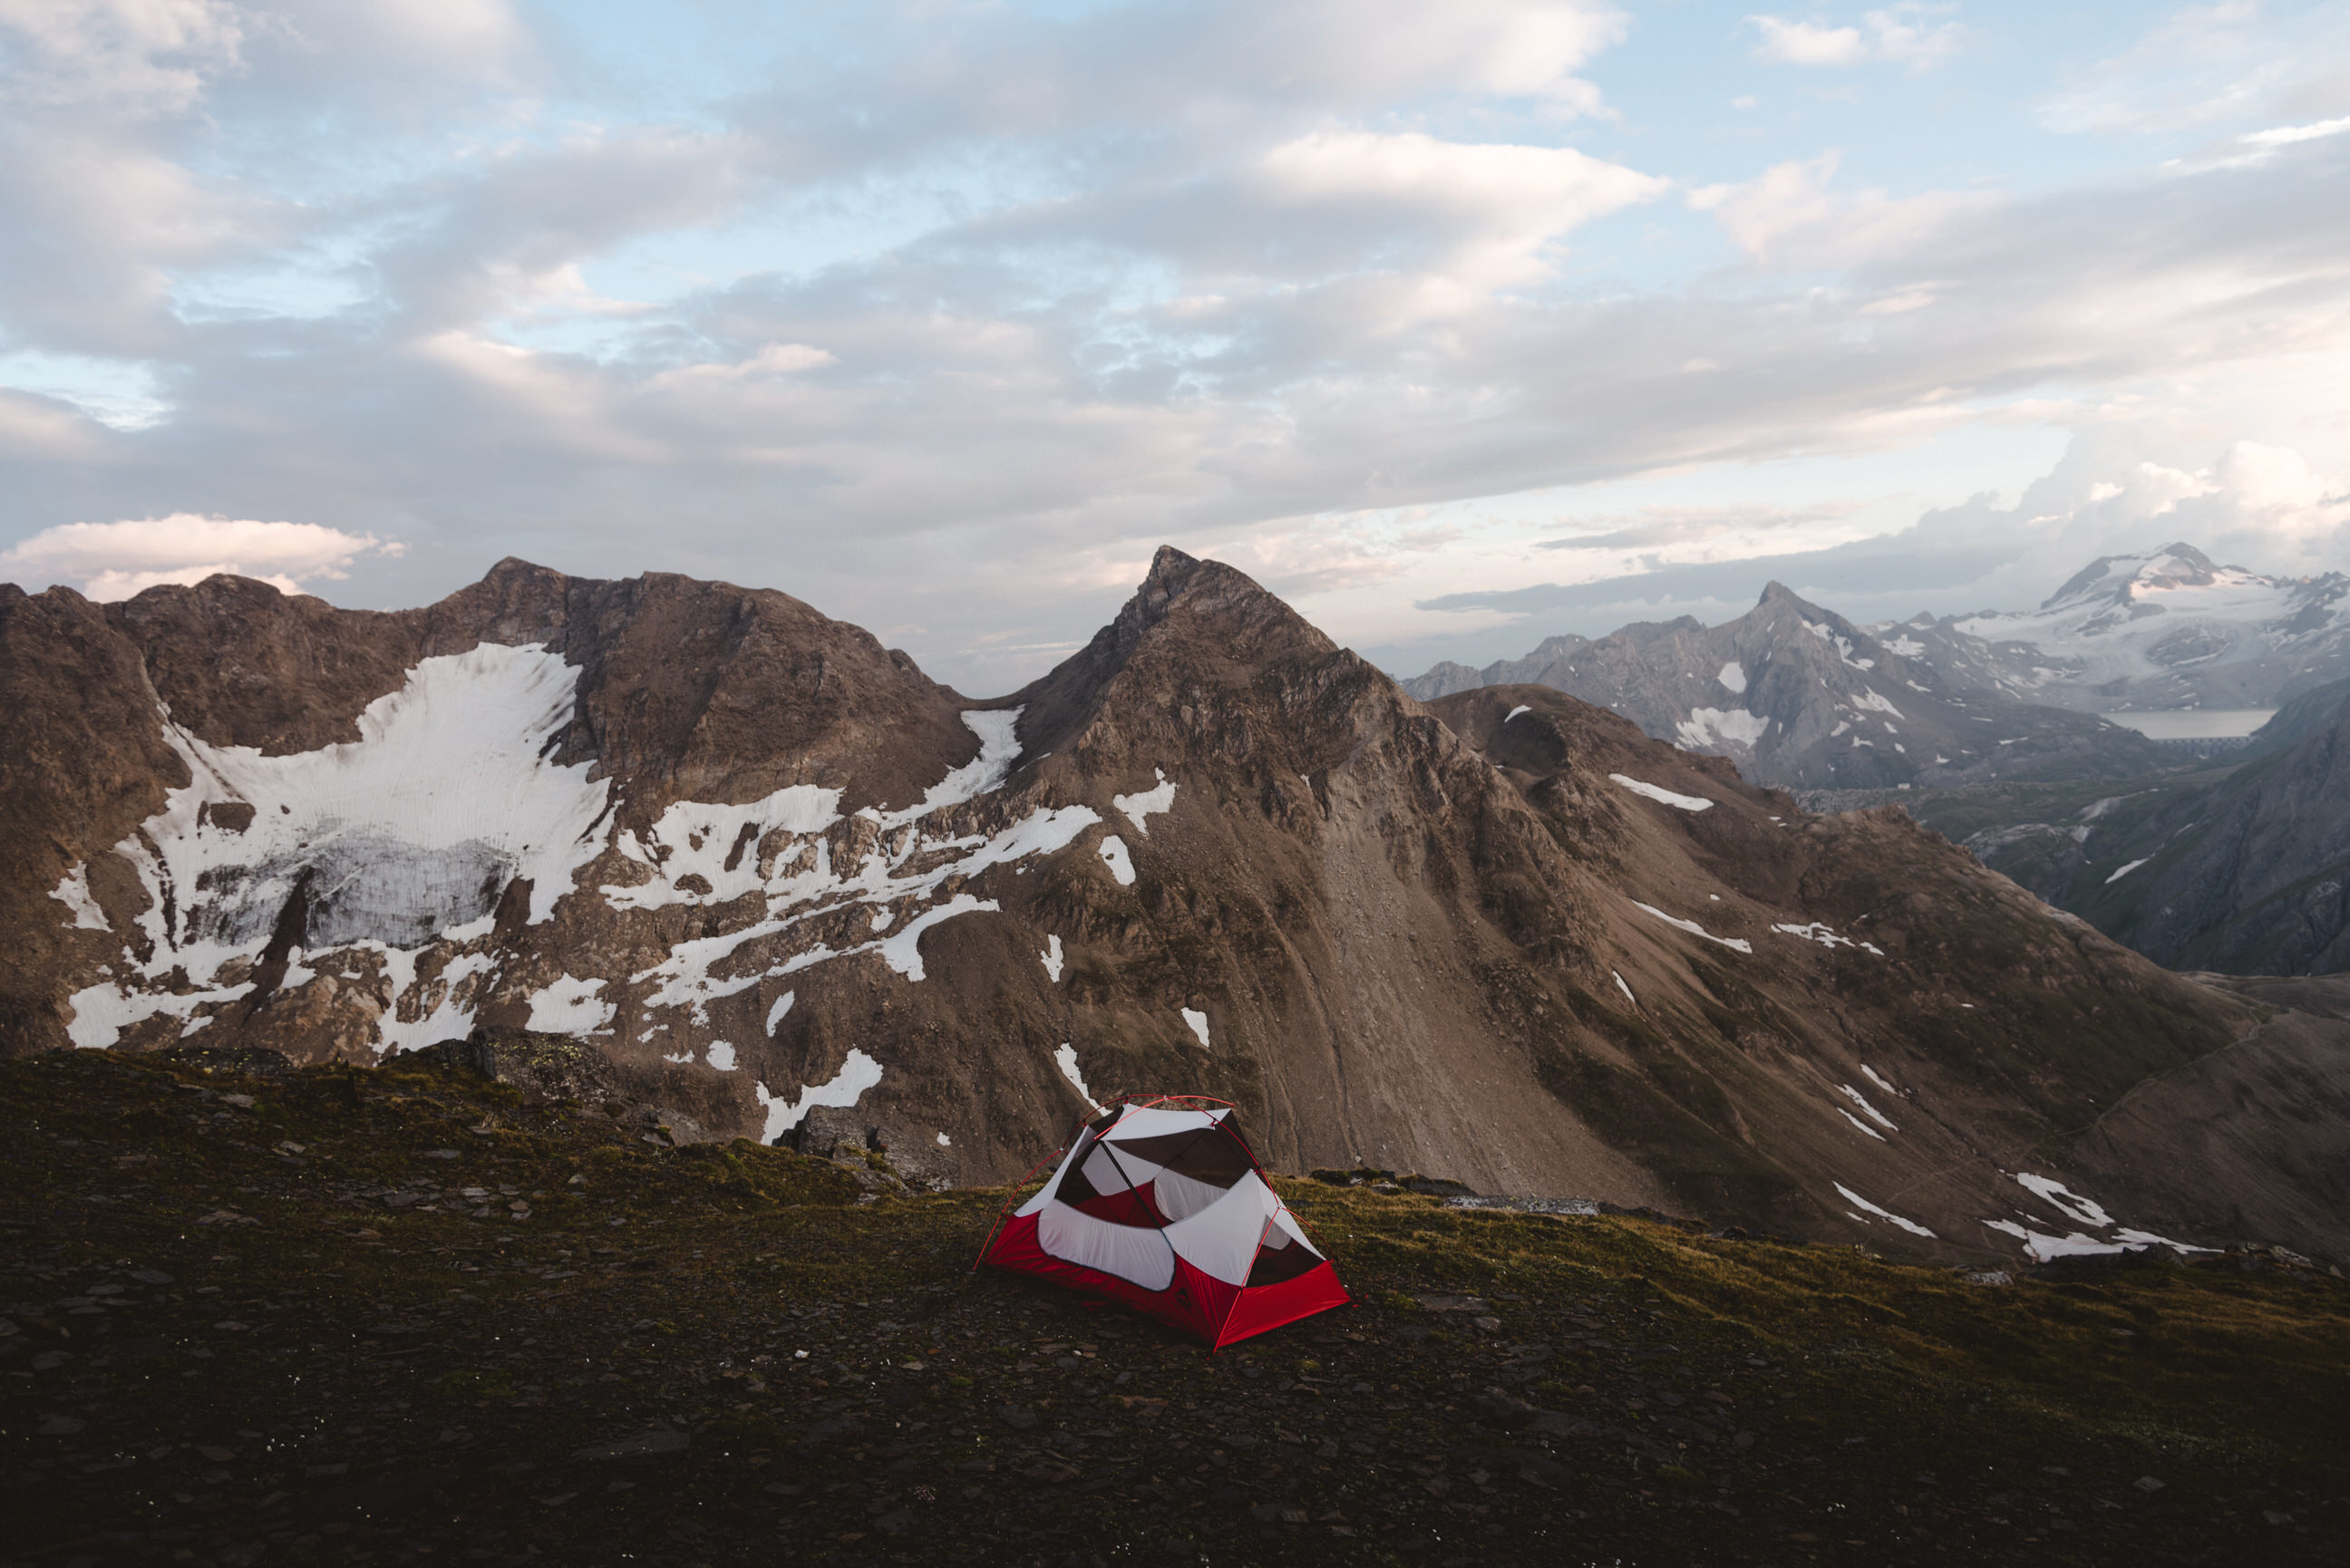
pixel 786 885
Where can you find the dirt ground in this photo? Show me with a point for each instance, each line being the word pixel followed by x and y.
pixel 401 1316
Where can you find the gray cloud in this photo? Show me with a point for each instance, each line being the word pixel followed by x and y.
pixel 1660 525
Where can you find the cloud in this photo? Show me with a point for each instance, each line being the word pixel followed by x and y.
pixel 1383 47
pixel 1657 526
pixel 1898 35
pixel 140 58
pixel 1790 215
pixel 116 560
pixel 2204 65
pixel 1497 205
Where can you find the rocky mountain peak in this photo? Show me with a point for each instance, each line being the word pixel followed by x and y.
pixel 1186 612
pixel 2120 578
pixel 2176 565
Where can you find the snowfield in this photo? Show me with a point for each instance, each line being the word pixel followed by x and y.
pixel 408 835
pixel 1721 727
pixel 2154 617
pixel 394 851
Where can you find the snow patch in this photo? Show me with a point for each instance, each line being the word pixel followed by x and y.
pixel 1122 863
pixel 1521 708
pixel 1199 1024
pixel 804 884
pixel 443 1006
pixel 1052 957
pixel 2070 1204
pixel 1737 944
pixel 1733 677
pixel 1066 1058
pixel 856 1074
pixel 903 951
pixel 2125 871
pixel 783 1005
pixel 721 1056
pixel 73 891
pixel 1137 807
pixel 1842 644
pixel 1721 726
pixel 720 847
pixel 1658 793
pixel 569 1007
pixel 1909 1225
pixel 2041 1248
pixel 1866 1109
pixel 101 1011
pixel 1861 1124
pixel 1624 989
pixel 999 748
pixel 1818 932
pixel 1873 1076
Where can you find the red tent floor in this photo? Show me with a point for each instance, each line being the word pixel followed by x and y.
pixel 1195 1303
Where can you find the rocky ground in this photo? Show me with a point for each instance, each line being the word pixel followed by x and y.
pixel 404 1317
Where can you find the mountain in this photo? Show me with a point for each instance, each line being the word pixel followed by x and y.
pixel 2312 710
pixel 1800 698
pixel 2245 876
pixel 2169 629
pixel 761 865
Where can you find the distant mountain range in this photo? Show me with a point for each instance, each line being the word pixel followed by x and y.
pixel 761 864
pixel 2168 630
pixel 1800 698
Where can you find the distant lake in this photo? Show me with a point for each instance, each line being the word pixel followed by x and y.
pixel 2193 723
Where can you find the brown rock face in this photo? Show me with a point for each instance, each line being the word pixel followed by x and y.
pixel 768 869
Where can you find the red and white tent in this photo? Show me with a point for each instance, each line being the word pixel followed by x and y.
pixel 1162 1206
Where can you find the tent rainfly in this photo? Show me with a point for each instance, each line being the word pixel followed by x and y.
pixel 1162 1206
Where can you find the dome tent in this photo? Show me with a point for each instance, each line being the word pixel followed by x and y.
pixel 1158 1204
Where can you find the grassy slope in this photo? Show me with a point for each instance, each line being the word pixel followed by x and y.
pixel 325 1377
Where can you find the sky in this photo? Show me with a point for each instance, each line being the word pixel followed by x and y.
pixel 1458 325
